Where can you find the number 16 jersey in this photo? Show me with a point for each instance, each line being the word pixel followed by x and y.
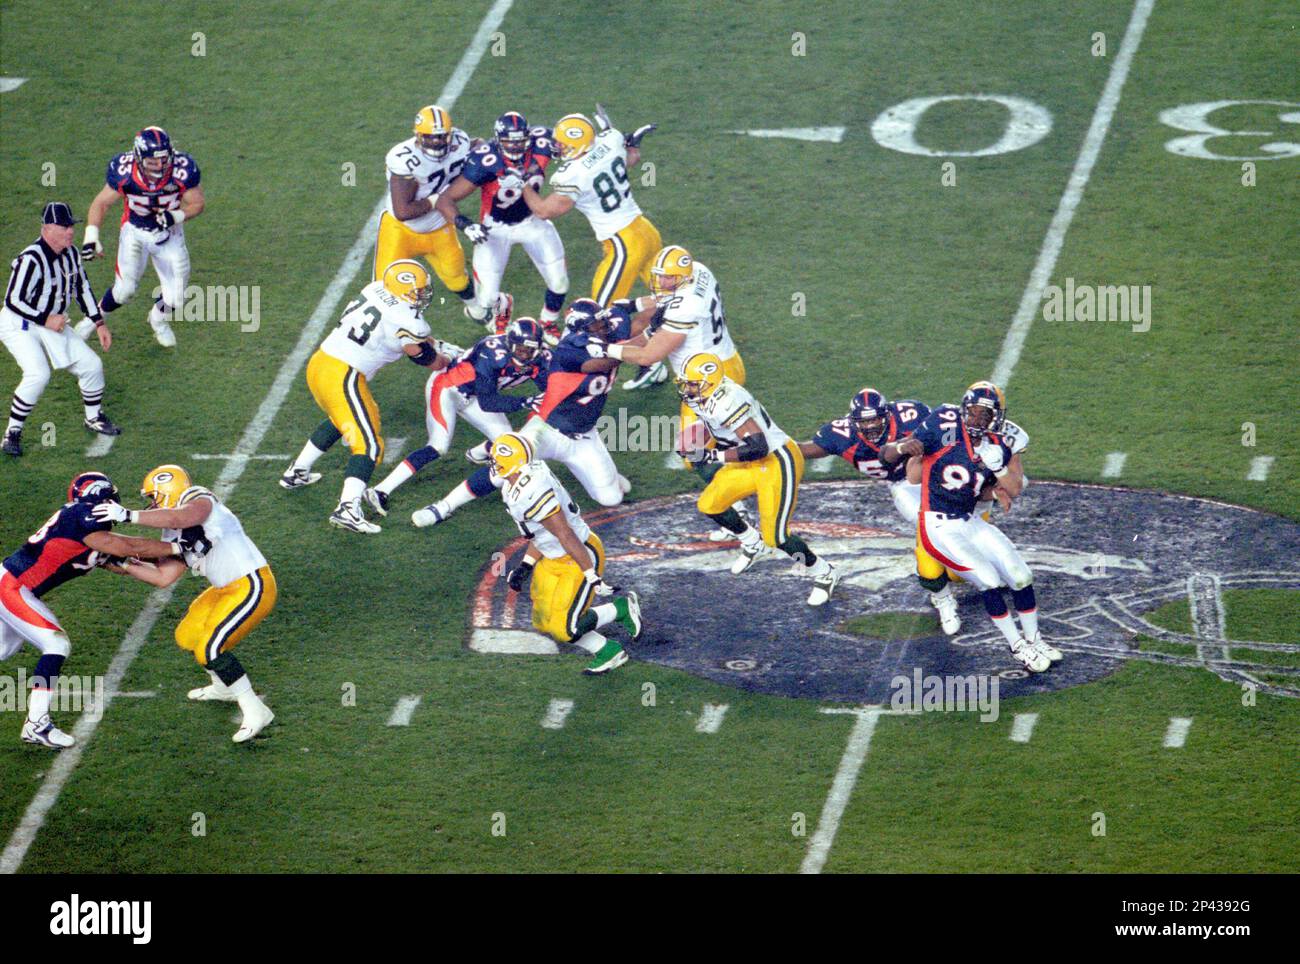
pixel 373 329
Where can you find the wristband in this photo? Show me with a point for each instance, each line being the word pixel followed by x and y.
pixel 614 351
pixel 99 322
pixel 462 222
pixel 92 235
pixel 591 575
pixel 176 549
pixel 177 217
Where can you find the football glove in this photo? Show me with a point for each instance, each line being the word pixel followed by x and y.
pixel 477 233
pixel 533 403
pixel 517 576
pixel 168 219
pixel 112 512
pixel 634 139
pixel 992 456
pixel 91 248
pixel 598 586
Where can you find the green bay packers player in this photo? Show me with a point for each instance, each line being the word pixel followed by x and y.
pixel 241 593
pixel 755 458
pixel 565 558
pixel 376 329
pixel 419 169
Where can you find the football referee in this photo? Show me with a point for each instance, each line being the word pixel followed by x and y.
pixel 46 277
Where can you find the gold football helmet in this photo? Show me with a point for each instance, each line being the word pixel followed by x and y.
pixel 509 454
pixel 673 268
pixel 164 486
pixel 433 131
pixel 575 135
pixel 701 376
pixel 410 281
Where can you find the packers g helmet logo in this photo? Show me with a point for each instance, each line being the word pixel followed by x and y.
pixel 164 486
pixel 407 281
pixel 510 453
pixel 701 376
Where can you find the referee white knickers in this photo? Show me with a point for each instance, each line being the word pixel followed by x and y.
pixel 64 349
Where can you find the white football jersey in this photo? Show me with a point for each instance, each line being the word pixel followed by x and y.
pixel 696 312
pixel 373 329
pixel 600 186
pixel 728 408
pixel 1017 438
pixel 219 549
pixel 535 495
pixel 432 176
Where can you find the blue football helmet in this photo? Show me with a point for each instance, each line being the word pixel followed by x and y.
pixel 525 339
pixel 153 154
pixel 982 398
pixel 92 488
pixel 869 413
pixel 585 314
pixel 511 132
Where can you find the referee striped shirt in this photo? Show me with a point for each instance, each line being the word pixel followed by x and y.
pixel 44 283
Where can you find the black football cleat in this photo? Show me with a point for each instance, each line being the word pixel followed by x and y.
pixel 13 443
pixel 102 424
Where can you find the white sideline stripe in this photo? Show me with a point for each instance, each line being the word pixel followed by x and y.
pixel 710 720
pixel 11 83
pixel 855 754
pixel 1259 467
pixel 823 464
pixel 393 448
pixel 1030 302
pixel 61 769
pixel 1176 735
pixel 100 446
pixel 213 457
pixel 832 134
pixel 512 642
pixel 1114 466
pixel 403 711
pixel 1205 605
pixel 556 713
pixel 1022 727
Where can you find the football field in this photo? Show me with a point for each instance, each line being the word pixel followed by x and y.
pixel 1094 203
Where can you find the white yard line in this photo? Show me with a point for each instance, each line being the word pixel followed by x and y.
pixel 1014 342
pixel 1205 603
pixel 557 711
pixel 855 754
pixel 823 464
pixel 1114 466
pixel 832 134
pixel 393 446
pixel 11 83
pixel 1259 467
pixel 1176 735
pixel 66 761
pixel 1022 727
pixel 403 711
pixel 100 446
pixel 710 720
pixel 228 456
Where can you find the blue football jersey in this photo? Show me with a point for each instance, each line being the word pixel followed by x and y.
pixel 485 166
pixel 575 399
pixel 952 475
pixel 841 438
pixel 142 201
pixel 56 553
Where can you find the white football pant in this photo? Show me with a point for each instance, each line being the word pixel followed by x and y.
pixel 446 404
pixel 585 456
pixel 974 548
pixel 540 241
pixel 171 260
pixel 25 619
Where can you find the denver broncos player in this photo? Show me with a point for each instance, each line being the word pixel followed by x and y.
pixel 872 423
pixel 71 543
pixel 755 458
pixel 504 220
pixel 471 388
pixel 571 600
pixel 419 169
pixel 241 592
pixel 383 325
pixel 160 191
pixel 962 452
pixel 563 428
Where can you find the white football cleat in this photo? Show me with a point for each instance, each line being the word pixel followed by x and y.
pixel 721 535
pixel 213 691
pixel 501 312
pixel 1029 657
pixel 823 587
pixel 85 328
pixel 253 724
pixel 296 478
pixel 430 515
pixel 377 500
pixel 45 733
pixel 624 485
pixel 479 454
pixel 348 516
pixel 748 555
pixel 163 334
pixel 1051 652
pixel 946 603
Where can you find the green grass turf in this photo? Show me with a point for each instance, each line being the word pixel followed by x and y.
pixel 909 286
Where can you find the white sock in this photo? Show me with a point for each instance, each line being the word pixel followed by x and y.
pixel 92 412
pixel 249 702
pixel 944 593
pixel 1007 626
pixel 457 497
pixel 1029 623
pixel 157 315
pixel 819 568
pixel 592 642
pixel 307 457
pixel 13 424
pixel 353 488
pixel 548 315
pixel 38 704
pixel 476 311
pixel 606 613
pixel 751 538
pixel 395 478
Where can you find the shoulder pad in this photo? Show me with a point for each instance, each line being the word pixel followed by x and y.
pixel 195 492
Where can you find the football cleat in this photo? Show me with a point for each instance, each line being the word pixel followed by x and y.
pixel 500 321
pixel 1029 657
pixel 430 515
pixel 610 656
pixel 479 454
pixel 254 723
pixel 823 587
pixel 45 733
pixel 377 500
pixel 13 443
pixel 632 621
pixel 213 691
pixel 102 424
pixel 946 604
pixel 748 556
pixel 348 516
pixel 296 478
pixel 163 334
pixel 655 374
pixel 1051 652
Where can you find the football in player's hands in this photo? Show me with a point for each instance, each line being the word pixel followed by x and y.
pixel 990 453
pixel 693 439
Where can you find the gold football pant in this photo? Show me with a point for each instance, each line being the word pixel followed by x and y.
pixel 440 248
pixel 774 479
pixel 343 395
pixel 733 368
pixel 560 595
pixel 628 256
pixel 220 617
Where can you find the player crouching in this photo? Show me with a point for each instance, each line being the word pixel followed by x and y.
pixel 566 559
pixel 213 544
pixel 755 458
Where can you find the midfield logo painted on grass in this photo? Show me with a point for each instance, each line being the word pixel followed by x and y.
pixel 1102 558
